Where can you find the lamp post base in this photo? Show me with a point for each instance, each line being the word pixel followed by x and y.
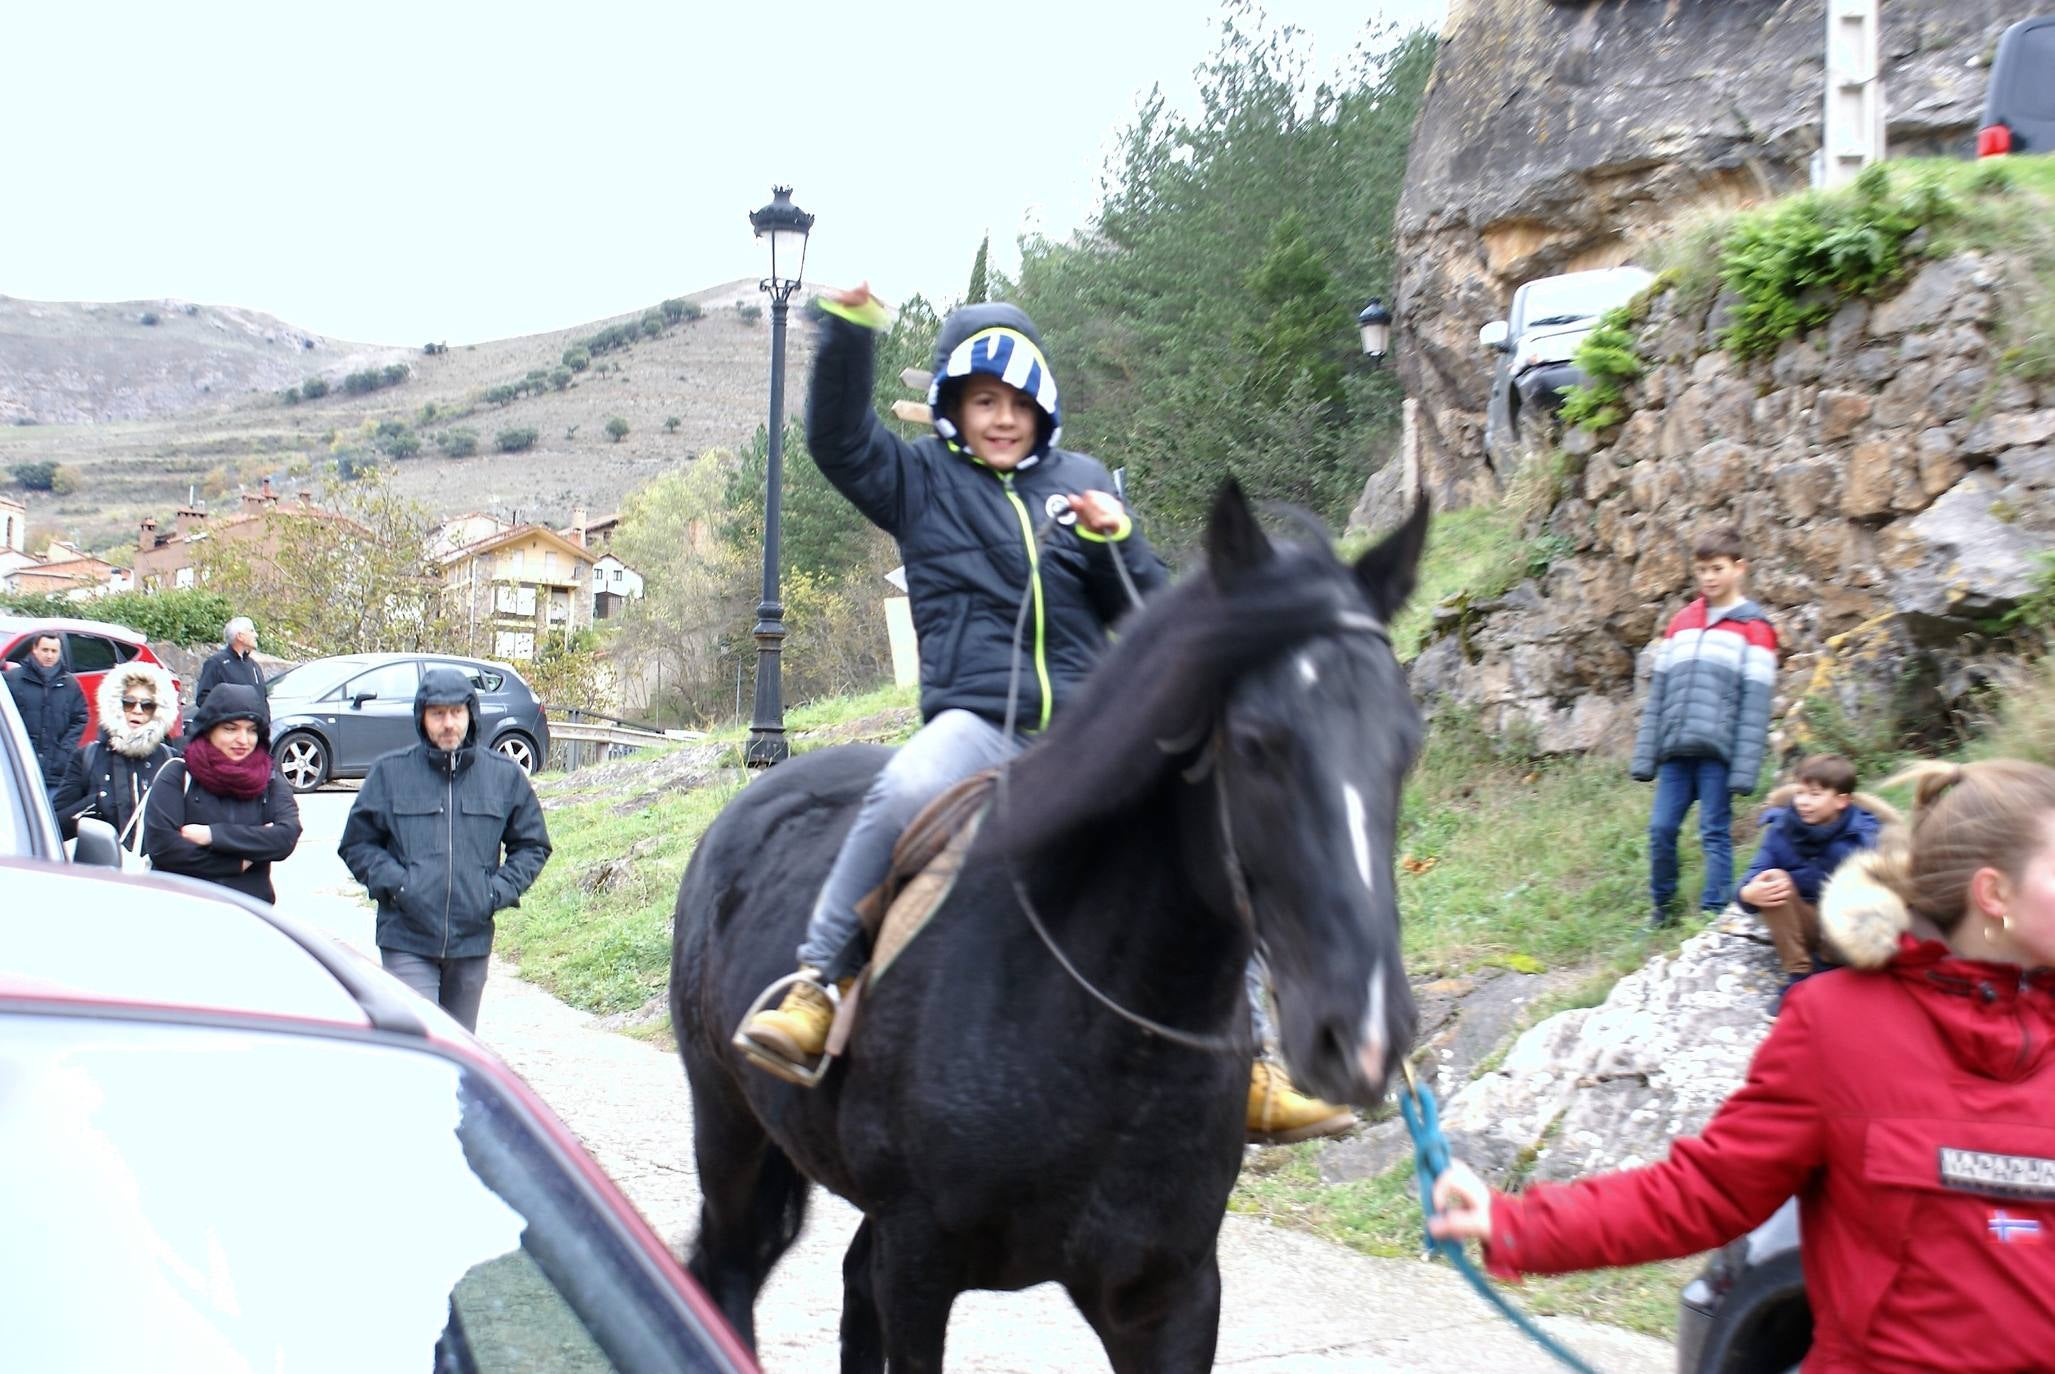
pixel 765 748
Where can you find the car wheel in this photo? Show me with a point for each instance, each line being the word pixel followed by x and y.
pixel 519 748
pixel 1764 1323
pixel 302 761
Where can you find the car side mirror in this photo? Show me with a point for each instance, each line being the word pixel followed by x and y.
pixel 360 698
pixel 1493 336
pixel 97 846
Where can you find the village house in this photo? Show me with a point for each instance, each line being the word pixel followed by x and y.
pixel 517 588
pixel 614 584
pixel 165 562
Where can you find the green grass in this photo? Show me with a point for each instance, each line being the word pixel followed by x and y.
pixel 608 951
pixel 1381 1216
pixel 1472 554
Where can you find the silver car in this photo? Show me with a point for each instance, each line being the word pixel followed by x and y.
pixel 334 717
pixel 1536 346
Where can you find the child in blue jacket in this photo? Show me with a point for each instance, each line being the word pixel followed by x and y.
pixel 1808 829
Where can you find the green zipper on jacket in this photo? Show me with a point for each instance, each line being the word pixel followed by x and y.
pixel 1027 532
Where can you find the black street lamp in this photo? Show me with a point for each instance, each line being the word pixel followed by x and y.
pixel 1375 323
pixel 786 226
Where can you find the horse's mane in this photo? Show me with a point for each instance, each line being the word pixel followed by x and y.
pixel 1154 697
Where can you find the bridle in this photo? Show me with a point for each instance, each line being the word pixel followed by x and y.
pixel 1211 742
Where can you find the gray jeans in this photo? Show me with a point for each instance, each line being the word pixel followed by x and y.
pixel 945 751
pixel 455 985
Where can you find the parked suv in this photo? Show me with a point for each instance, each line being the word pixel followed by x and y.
pixel 2019 108
pixel 1537 344
pixel 233 1144
pixel 333 717
pixel 91 647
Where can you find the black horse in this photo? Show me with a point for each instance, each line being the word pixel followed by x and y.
pixel 1237 757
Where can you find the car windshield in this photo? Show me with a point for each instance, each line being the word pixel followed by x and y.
pixel 1579 296
pixel 205 1198
pixel 309 679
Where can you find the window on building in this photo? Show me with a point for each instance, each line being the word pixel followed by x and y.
pixel 182 578
pixel 515 644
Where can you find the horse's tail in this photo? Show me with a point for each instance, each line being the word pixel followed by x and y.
pixel 753 1205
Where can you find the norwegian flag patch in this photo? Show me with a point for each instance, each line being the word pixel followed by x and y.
pixel 2007 1229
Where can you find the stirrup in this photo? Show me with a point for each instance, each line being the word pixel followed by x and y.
pixel 800 1074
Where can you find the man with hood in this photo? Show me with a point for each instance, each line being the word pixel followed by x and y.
pixel 109 778
pixel 443 835
pixel 965 506
pixel 52 706
pixel 234 661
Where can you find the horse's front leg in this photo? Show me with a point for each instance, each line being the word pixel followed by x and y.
pixel 1163 1323
pixel 914 1282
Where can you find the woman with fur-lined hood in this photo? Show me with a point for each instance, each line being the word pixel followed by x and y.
pixel 135 705
pixel 1908 1101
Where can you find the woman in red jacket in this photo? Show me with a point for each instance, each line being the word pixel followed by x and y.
pixel 1908 1101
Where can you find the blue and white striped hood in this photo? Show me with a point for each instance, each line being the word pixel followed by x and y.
pixel 1000 341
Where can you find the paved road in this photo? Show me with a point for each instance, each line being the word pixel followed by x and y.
pixel 1293 1304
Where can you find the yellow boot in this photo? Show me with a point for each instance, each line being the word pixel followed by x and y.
pixel 1280 1114
pixel 789 1039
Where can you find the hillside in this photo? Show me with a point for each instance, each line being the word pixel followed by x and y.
pixel 193 404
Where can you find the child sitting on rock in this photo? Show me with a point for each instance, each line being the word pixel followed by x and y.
pixel 1809 827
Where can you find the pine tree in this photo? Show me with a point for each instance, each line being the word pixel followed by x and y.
pixel 980 282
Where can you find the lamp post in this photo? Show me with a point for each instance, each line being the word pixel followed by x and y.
pixel 1375 323
pixel 786 226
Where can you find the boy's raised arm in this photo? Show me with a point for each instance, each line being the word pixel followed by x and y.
pixel 878 471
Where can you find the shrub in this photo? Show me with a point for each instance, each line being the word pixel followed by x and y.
pixel 35 476
pixel 354 463
pixel 187 616
pixel 1793 264
pixel 515 440
pixel 674 309
pixel 1609 364
pixel 63 481
pixel 395 373
pixel 750 313
pixel 403 445
pixel 314 388
pixel 428 412
pixel 435 349
pixel 671 423
pixel 560 377
pixel 361 383
pixel 458 443
pixel 576 358
pixel 502 394
pixel 653 323
pixel 291 395
pixel 149 317
pixel 387 428
pixel 617 429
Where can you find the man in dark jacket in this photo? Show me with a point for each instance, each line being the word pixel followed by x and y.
pixel 51 705
pixel 235 661
pixel 443 835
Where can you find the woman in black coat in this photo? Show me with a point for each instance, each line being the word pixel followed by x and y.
pixel 109 778
pixel 222 812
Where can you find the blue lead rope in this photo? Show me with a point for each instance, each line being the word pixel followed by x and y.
pixel 1430 1161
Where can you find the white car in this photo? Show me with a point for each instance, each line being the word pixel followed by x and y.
pixel 1537 343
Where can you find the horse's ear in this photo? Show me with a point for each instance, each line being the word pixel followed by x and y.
pixel 1234 541
pixel 1389 570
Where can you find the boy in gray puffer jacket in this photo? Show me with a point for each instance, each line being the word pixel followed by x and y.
pixel 1706 723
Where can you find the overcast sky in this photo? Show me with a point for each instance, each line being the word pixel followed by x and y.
pixel 398 172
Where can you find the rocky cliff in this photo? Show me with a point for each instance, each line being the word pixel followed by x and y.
pixel 1558 135
pixel 1894 484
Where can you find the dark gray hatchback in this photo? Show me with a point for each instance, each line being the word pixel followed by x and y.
pixel 333 717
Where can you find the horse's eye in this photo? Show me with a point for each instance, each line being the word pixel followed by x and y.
pixel 1265 749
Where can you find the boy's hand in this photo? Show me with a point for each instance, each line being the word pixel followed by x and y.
pixel 856 298
pixel 1462 1203
pixel 1097 511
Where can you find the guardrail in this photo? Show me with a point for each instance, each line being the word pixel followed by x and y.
pixel 582 736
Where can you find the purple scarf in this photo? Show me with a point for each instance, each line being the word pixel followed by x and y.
pixel 223 776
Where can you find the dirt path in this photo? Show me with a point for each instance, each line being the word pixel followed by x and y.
pixel 1292 1304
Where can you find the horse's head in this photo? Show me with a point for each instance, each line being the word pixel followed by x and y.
pixel 1313 746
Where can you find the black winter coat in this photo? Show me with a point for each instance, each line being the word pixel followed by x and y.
pixel 262 829
pixel 425 839
pixel 102 781
pixel 223 667
pixel 964 532
pixel 54 709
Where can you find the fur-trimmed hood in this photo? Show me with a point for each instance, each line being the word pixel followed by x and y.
pixel 122 680
pixel 1861 914
pixel 1868 801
